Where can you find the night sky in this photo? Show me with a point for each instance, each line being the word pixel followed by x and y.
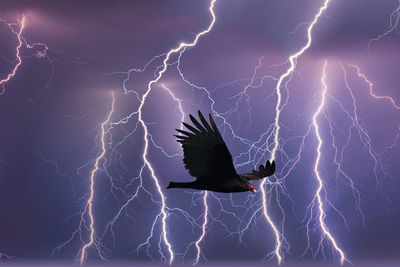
pixel 76 56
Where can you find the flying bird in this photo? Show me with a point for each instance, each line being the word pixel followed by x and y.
pixel 208 159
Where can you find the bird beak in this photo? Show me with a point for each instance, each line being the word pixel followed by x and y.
pixel 254 191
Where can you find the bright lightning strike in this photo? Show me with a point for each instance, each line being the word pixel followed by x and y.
pixel 89 203
pixel 292 60
pixel 18 56
pixel 182 46
pixel 205 220
pixel 203 228
pixel 271 223
pixel 318 196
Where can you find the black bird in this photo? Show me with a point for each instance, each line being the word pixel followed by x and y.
pixel 207 158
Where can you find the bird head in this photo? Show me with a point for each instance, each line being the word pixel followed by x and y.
pixel 250 187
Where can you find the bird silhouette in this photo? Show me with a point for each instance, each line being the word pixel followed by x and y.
pixel 207 158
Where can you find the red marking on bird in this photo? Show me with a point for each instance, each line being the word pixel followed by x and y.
pixel 251 187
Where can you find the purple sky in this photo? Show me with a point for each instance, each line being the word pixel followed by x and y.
pixel 53 107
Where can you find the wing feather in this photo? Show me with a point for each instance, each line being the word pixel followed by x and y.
pixel 206 155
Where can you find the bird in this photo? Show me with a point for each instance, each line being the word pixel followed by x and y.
pixel 207 158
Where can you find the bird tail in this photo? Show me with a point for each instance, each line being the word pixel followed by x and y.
pixel 179 185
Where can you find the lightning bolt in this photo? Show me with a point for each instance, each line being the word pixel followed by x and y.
pixel 162 216
pixel 146 141
pixel 40 50
pixel 18 56
pixel 292 60
pixel 203 228
pixel 318 194
pixel 89 204
pixel 205 220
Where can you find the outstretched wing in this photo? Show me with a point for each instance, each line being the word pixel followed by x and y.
pixel 206 155
pixel 263 171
